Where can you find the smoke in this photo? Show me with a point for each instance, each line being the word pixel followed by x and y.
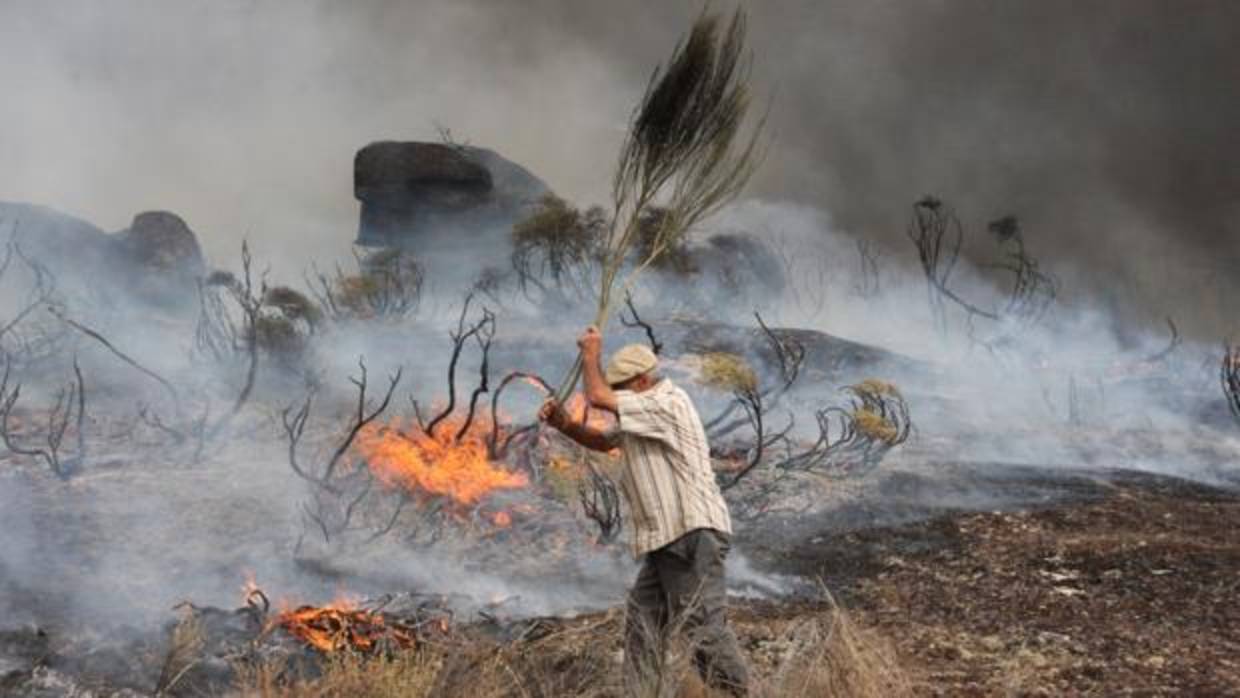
pixel 1106 128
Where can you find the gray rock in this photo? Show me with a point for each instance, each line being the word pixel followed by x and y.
pixel 160 242
pixel 157 258
pixel 438 199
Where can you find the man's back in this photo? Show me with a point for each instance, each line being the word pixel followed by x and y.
pixel 667 479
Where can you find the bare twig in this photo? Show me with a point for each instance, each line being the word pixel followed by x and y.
pixel 483 337
pixel 41 290
pixel 163 382
pixel 251 305
pixel 788 350
pixel 460 336
pixel 751 402
pixel 655 345
pixel 1229 377
pixel 70 407
pixel 295 426
pixel 600 500
pixel 868 283
pixel 790 354
pixel 494 449
pixel 1173 343
pixel 937 234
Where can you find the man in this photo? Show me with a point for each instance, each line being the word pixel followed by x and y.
pixel 680 524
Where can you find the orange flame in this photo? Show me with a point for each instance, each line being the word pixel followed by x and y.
pixel 439 464
pixel 331 628
pixel 338 625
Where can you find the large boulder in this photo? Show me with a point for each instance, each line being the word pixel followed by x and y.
pixel 161 243
pixel 159 257
pixel 156 259
pixel 437 198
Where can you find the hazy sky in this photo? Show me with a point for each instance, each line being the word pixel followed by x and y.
pixel 1110 127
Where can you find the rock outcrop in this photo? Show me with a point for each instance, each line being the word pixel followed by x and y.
pixel 160 242
pixel 156 259
pixel 437 198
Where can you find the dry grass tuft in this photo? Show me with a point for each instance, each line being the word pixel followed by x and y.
pixel 830 656
pixel 874 425
pixel 403 675
pixel 728 372
pixel 826 655
pixel 184 649
pixel 876 387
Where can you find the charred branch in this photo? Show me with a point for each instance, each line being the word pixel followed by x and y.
pixel 634 320
pixel 1032 291
pixel 496 450
pixel 788 351
pixel 868 283
pixel 21 340
pixel 790 355
pixel 391 522
pixel 484 337
pixel 600 500
pixel 69 408
pixel 98 337
pixel 1229 377
pixel 295 420
pixel 42 287
pixel 756 413
pixel 338 495
pixel 937 234
pixel 250 304
pixel 851 442
pixel 875 421
pixel 1173 343
pixel 484 327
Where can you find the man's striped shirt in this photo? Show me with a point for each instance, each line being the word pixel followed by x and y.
pixel 667 475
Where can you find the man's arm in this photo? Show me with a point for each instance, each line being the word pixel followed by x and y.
pixel 598 393
pixel 588 436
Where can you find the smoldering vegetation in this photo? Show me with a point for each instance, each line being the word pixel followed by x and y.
pixel 233 430
pixel 165 448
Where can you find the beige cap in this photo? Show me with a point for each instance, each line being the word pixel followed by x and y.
pixel 629 362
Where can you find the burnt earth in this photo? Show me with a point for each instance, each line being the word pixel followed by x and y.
pixel 1129 593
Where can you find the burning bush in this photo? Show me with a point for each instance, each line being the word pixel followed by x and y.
pixel 436 464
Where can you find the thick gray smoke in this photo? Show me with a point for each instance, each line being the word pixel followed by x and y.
pixel 1107 127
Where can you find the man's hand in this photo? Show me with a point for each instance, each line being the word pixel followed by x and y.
pixel 590 437
pixel 591 343
pixel 553 414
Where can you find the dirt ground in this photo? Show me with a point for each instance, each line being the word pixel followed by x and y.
pixel 1078 583
pixel 1131 590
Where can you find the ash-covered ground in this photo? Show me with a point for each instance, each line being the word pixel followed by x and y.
pixel 174 488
